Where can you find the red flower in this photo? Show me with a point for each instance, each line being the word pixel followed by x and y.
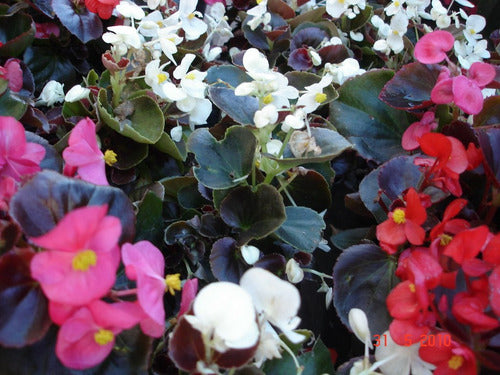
pixel 454 359
pixel 404 223
pixel 469 308
pixel 448 160
pixel 12 72
pixel 104 8
pixel 466 245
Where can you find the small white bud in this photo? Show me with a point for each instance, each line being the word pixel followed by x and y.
pixel 293 271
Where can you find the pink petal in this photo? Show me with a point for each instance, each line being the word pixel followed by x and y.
pixel 432 47
pixel 467 95
pixel 145 257
pixel 413 133
pixel 152 328
pixel 60 312
pixel 94 173
pixel 150 291
pixel 74 231
pixel 12 139
pixel 106 235
pixel 84 130
pixel 122 315
pixel 481 73
pixel 81 153
pixel 14 75
pixel 442 93
pixel 189 291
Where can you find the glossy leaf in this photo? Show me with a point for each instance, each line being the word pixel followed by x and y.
pixel 52 159
pixel 228 74
pixel 145 125
pixel 17 31
pixel 226 261
pixel 12 105
pixel 369 194
pixel 44 200
pixel 150 224
pixel 489 140
pixel 397 175
pixel 254 214
pixel 222 164
pixel 490 114
pixel 23 309
pixel 82 23
pixel 363 277
pixel 177 150
pixel 411 86
pixel 302 228
pixel 240 108
pixel 374 128
pixel 310 189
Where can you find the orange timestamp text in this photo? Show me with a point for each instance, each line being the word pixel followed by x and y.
pixel 429 340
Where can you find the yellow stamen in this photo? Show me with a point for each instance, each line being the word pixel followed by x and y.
pixel 445 239
pixel 259 1
pixel 268 99
pixel 399 216
pixel 397 3
pixel 162 77
pixel 191 76
pixel 320 97
pixel 110 157
pixel 84 259
pixel 173 283
pixel 103 336
pixel 456 362
pixel 412 287
pixel 190 16
pixel 159 23
pixel 395 32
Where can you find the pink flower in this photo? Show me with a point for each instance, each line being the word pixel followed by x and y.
pixel 8 188
pixel 189 291
pixel 432 47
pixel 464 91
pixel 17 157
pixel 416 130
pixel 145 263
pixel 84 155
pixel 82 257
pixel 88 336
pixel 12 72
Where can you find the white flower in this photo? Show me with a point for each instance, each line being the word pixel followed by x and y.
pixel 273 147
pixel 269 345
pixel 224 314
pixel 77 93
pixel 210 54
pixel 473 26
pixel 404 359
pixel 159 81
pixel 277 300
pixel 219 30
pixel 51 94
pixel 187 15
pixel 176 133
pixel 357 37
pixel 469 53
pixel 359 325
pixel 266 116
pixel 296 120
pixel 250 254
pixel 351 8
pixel 259 14
pixel 394 7
pixel 153 4
pixel 465 3
pixel 294 273
pixel 392 34
pixel 343 71
pixel 314 95
pixel 269 86
pixel 130 10
pixel 122 38
pixel 440 14
pixel 328 297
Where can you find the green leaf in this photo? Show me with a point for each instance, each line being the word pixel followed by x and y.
pixel 145 125
pixel 230 74
pixel 368 192
pixel 317 361
pixel 330 142
pixel 310 189
pixel 12 105
pixel 300 80
pixel 82 23
pixel 223 164
pixel 302 228
pixel 150 225
pixel 128 152
pixel 43 201
pixel 177 150
pixel 17 31
pixel 374 128
pixel 190 197
pixel 52 159
pixel 172 185
pixel 350 237
pixel 240 108
pixel 254 214
pixel 363 277
pixel 490 114
pixel 226 261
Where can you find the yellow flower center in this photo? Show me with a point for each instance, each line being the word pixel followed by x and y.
pixel 190 16
pixel 103 336
pixel 456 362
pixel 268 99
pixel 399 216
pixel 472 31
pixel 445 239
pixel 412 287
pixel 110 157
pixel 395 32
pixel 320 97
pixel 159 23
pixel 259 1
pixel 162 77
pixel 173 283
pixel 397 3
pixel 191 76
pixel 84 259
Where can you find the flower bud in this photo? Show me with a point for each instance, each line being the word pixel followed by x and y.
pixel 293 271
